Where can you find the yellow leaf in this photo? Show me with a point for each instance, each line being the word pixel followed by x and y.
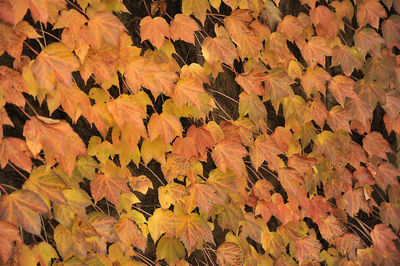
pixel 170 249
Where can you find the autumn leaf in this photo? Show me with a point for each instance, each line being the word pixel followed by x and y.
pixel 154 30
pixel 382 237
pixel 263 149
pixel 389 29
pixel 196 7
pixel 370 11
pixel 54 64
pixel 219 49
pixel 23 208
pixel 348 58
pixel 359 110
pixel 104 26
pixel 202 138
pixel 188 91
pixel 315 51
pixel 8 234
pixel 368 40
pixel 229 253
pixel 338 119
pixel 228 155
pixel 331 228
pixel 140 183
pixel 12 85
pixel 308 247
pixel 63 146
pixel 165 126
pixel 182 28
pixel 109 186
pixel 341 87
pixel 376 145
pixel 170 249
pixel 16 151
pixel 252 82
pixel 202 195
pixel 162 221
pixel 192 230
pixel 44 252
pixel 325 21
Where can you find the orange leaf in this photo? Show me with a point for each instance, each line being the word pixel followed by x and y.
pixel 202 138
pixel 104 26
pixel 59 142
pixel 338 119
pixel 219 49
pixel 8 234
pixel 228 154
pixel 315 51
pixel 154 29
pixel 183 27
pixel 192 229
pixel 16 151
pixel 188 91
pixel 166 126
pixel 229 253
pixel 348 58
pixel 108 186
pixel 263 149
pixel 251 81
pixel 325 21
pixel 54 64
pixel 202 195
pixel 382 237
pixel 126 111
pixel 4 120
pixel 23 207
pixel 140 183
pixel 331 228
pixel 307 247
pixel 129 234
pixel 370 11
pixel 359 110
pixel 341 87
pixel 314 80
pixel 376 145
pixel 368 40
pixel 12 85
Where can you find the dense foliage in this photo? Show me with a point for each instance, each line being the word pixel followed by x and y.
pixel 201 131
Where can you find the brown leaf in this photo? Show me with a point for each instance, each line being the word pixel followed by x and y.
pixel 16 151
pixel 182 28
pixel 155 30
pixel 8 234
pixel 229 253
pixel 376 145
pixel 382 237
pixel 22 208
pixel 57 139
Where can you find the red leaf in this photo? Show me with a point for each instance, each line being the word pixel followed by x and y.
pixel 382 237
pixel 375 144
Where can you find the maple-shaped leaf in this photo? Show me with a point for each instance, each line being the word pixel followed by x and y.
pixel 348 244
pixel 375 145
pixel 353 200
pixel 127 111
pixel 390 214
pixel 359 110
pixel 165 126
pixel 172 193
pixel 171 250
pixel 252 105
pixel 389 29
pixel 70 19
pixel 243 34
pixel 104 26
pixel 16 151
pixel 387 175
pixel 291 27
pixel 188 91
pixel 228 154
pixel 325 21
pixel 251 82
pixel 314 79
pixel 140 183
pixel 364 176
pixel 368 40
pixel 103 224
pixel 8 234
pixel 196 7
pixel 182 28
pixel 224 183
pixel 129 234
pixel 265 149
pixel 69 241
pixel 109 186
pixel 44 252
pixel 23 207
pixel 348 58
pixel 219 49
pixel 331 228
pixel 155 30
pixel 315 50
pixel 77 200
pixel 202 195
pixel 47 184
pixel 12 85
pixel 63 146
pixel 382 237
pixel 338 119
pixel 192 229
pixel 229 253
pixel 162 221
pixel 202 138
pixel 341 87
pixel 54 64
pixel 14 45
pixel 277 86
pixel 307 247
pixel 370 11
pixel 343 9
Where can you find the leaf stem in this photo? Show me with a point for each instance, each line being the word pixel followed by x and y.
pixel 19 172
pixel 2 188
pixel 30 47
